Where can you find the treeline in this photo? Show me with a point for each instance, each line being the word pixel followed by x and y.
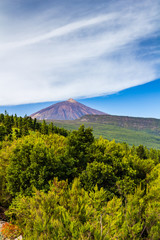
pixel 72 186
pixel 16 127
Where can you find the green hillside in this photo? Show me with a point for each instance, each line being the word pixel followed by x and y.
pixel 135 131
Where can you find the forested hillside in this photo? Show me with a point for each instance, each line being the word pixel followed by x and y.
pixel 134 131
pixel 56 184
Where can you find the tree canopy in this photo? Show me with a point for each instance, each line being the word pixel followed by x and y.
pixel 68 185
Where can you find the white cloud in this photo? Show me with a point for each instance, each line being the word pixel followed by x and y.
pixel 50 57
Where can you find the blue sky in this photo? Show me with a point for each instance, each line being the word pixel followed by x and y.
pixel 139 101
pixel 103 53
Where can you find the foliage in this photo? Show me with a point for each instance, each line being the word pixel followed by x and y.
pixel 100 174
pixel 61 213
pixel 69 185
pixel 73 213
pixel 10 231
pixel 33 162
pixel 79 143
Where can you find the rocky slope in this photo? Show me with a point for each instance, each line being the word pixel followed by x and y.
pixel 67 110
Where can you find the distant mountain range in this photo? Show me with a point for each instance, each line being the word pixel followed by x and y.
pixel 67 110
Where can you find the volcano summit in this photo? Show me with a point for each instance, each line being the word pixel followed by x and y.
pixel 67 110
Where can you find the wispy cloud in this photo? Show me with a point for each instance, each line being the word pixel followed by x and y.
pixel 55 54
pixel 69 28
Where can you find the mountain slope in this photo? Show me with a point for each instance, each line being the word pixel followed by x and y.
pixel 145 131
pixel 133 123
pixel 67 110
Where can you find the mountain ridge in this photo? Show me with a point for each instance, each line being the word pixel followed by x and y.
pixel 138 123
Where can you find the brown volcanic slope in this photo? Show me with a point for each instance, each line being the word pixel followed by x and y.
pixel 67 110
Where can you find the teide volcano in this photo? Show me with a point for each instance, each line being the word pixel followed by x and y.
pixel 67 110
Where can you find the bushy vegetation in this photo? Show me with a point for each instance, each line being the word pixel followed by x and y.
pixel 57 184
